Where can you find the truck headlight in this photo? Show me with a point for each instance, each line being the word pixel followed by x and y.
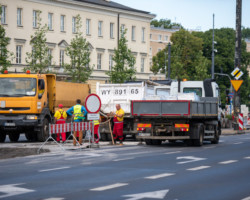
pixel 31 117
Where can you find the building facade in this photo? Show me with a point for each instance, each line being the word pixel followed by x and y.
pixel 101 21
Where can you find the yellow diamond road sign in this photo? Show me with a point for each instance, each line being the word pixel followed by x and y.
pixel 237 73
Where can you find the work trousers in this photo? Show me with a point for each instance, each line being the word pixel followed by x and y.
pixel 118 131
pixel 80 135
pixel 63 134
pixel 96 133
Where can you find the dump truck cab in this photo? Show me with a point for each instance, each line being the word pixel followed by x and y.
pixel 26 103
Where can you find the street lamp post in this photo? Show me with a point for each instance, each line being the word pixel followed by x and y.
pixel 212 70
pixel 169 60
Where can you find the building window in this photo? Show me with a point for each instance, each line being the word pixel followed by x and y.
pixel 111 30
pixel 18 54
pixel 143 34
pixel 99 61
pixel 142 64
pixel 73 24
pixel 35 18
pixel 150 36
pixel 99 28
pixel 110 61
pixel 159 50
pixel 50 56
pixel 166 38
pixel 3 17
pixel 50 21
pixel 159 37
pixel 87 26
pixel 122 28
pixel 133 33
pixel 62 28
pixel 61 58
pixel 19 16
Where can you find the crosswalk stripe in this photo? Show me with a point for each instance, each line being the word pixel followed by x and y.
pixel 108 187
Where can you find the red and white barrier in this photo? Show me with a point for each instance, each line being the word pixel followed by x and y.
pixel 241 126
pixel 68 127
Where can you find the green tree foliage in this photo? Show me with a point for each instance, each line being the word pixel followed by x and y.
pixel 187 60
pixel 79 53
pixel 39 59
pixel 166 23
pixel 224 59
pixel 245 32
pixel 5 55
pixel 123 69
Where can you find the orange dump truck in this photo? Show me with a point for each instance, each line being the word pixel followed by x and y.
pixel 28 103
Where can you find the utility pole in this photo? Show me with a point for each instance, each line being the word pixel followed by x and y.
pixel 237 57
pixel 212 70
pixel 169 59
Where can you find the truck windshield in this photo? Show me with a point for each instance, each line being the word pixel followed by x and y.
pixel 17 87
pixel 197 91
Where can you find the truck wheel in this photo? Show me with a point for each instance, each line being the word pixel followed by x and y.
pixel 199 142
pixel 2 137
pixel 148 142
pixel 30 136
pixel 43 134
pixel 216 138
pixel 14 137
pixel 156 142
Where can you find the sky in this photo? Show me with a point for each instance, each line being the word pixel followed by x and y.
pixel 194 14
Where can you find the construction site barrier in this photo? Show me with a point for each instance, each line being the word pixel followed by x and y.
pixel 68 127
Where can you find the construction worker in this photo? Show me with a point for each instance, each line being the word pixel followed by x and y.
pixel 60 118
pixel 118 124
pixel 78 112
pixel 96 130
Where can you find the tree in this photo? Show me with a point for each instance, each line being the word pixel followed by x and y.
pixel 39 59
pixel 79 53
pixel 123 70
pixel 245 32
pixel 166 23
pixel 187 60
pixel 5 55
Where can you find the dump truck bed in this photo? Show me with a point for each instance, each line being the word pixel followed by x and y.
pixel 174 108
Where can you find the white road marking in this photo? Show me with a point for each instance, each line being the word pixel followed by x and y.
pixel 211 147
pixel 160 176
pixel 190 159
pixel 198 168
pixel 148 195
pixel 228 162
pixel 108 187
pixel 247 157
pixel 13 190
pixel 172 152
pixel 122 159
pixel 238 143
pixel 54 198
pixel 247 198
pixel 54 169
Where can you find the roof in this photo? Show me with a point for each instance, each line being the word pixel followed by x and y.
pixel 112 4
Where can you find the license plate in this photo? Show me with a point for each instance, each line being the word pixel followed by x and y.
pixel 10 124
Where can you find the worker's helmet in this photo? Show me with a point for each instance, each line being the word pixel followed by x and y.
pixel 60 105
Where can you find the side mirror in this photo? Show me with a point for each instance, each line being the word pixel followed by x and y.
pixel 40 96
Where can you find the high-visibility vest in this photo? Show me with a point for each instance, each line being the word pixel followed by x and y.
pixel 96 122
pixel 78 112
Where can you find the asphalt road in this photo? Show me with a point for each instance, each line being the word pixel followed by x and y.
pixel 132 172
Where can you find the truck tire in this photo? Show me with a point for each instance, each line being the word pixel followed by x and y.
pixel 2 137
pixel 149 142
pixel 14 137
pixel 31 136
pixel 199 142
pixel 43 134
pixel 216 138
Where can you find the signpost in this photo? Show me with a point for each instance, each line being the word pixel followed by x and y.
pixel 93 106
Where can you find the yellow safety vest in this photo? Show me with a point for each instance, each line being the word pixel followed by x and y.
pixel 77 112
pixel 96 122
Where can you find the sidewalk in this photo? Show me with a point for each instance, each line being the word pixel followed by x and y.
pixel 231 131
